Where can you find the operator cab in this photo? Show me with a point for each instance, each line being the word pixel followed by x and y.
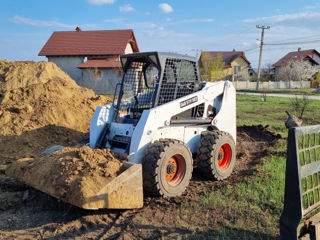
pixel 152 79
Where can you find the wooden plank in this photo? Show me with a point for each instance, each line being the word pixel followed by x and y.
pixel 306 230
pixel 315 231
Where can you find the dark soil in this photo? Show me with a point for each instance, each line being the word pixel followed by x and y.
pixel 26 213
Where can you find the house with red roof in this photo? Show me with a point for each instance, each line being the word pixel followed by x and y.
pixel 235 62
pixel 91 58
pixel 311 56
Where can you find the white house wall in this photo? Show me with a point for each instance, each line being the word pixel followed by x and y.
pixel 102 80
pixel 69 65
pixel 316 58
pixel 128 49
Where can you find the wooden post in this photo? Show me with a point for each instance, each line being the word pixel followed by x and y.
pixel 315 231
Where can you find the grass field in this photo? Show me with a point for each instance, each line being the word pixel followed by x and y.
pixel 251 208
pixel 296 91
pixel 251 111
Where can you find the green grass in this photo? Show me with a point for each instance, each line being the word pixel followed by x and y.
pixel 251 208
pixel 252 111
pixel 295 91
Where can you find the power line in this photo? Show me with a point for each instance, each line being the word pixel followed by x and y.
pixel 292 43
pixel 250 49
pixel 287 42
pixel 298 38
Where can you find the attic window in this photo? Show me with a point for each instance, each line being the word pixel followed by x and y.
pixel 97 73
pixel 236 69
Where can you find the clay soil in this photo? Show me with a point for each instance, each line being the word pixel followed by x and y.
pixel 72 174
pixel 34 95
pixel 26 213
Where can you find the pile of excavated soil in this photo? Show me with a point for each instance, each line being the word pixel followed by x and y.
pixel 39 216
pixel 70 174
pixel 34 95
pixel 30 143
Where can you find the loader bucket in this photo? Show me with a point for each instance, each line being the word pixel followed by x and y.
pixel 125 191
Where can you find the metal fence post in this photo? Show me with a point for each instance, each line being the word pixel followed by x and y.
pixel 291 214
pixel 302 186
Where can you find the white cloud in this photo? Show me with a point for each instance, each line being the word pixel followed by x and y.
pixel 147 13
pixel 40 23
pixel 116 20
pixel 194 20
pixel 126 8
pixel 278 19
pixel 312 7
pixel 143 25
pixel 89 26
pixel 166 8
pixel 53 24
pixel 100 2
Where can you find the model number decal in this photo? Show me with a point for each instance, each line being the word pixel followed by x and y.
pixel 188 101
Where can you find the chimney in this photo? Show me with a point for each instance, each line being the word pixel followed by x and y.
pixel 78 29
pixel 299 49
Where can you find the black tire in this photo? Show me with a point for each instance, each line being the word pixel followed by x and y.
pixel 216 155
pixel 167 168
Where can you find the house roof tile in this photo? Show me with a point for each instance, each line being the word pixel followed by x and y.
pixel 297 56
pixel 112 62
pixel 84 43
pixel 227 56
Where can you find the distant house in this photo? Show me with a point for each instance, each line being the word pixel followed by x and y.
pixel 311 56
pixel 91 58
pixel 236 63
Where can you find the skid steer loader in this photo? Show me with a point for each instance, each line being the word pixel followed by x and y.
pixel 165 120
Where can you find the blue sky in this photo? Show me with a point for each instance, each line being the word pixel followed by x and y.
pixel 174 25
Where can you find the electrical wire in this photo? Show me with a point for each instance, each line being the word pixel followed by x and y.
pixel 292 43
pixel 250 49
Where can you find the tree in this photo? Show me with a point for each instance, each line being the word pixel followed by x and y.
pixel 211 68
pixel 267 73
pixel 300 105
pixel 296 71
pixel 318 76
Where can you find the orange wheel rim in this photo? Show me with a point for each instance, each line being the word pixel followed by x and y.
pixel 224 156
pixel 175 168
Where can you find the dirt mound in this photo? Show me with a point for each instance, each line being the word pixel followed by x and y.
pixel 249 139
pixel 159 218
pixel 30 143
pixel 15 75
pixel 33 95
pixel 70 174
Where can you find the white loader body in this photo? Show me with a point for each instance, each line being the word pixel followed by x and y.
pixel 156 123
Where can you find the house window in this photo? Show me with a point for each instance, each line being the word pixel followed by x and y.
pixel 97 73
pixel 236 69
pixel 119 73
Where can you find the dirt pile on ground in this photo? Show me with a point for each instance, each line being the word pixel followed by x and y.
pixel 249 137
pixel 34 95
pixel 70 174
pixel 30 143
pixel 28 213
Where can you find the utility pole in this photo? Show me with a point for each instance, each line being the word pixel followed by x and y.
pixel 197 52
pixel 260 55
